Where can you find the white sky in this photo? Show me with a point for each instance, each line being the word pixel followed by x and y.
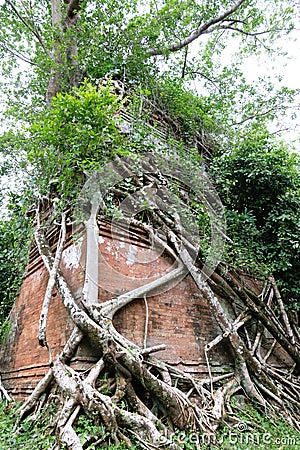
pixel 289 67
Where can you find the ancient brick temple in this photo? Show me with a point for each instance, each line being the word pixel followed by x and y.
pixel 178 318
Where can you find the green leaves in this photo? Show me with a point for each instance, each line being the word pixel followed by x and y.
pixel 78 133
pixel 187 112
pixel 260 184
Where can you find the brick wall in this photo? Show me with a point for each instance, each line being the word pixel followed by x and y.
pixel 178 317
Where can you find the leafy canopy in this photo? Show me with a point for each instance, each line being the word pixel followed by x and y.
pixel 78 133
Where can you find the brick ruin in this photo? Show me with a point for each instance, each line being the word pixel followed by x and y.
pixel 178 318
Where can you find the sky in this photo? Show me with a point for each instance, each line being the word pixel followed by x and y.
pixel 289 67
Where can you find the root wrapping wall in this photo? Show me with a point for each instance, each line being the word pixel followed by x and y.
pixel 178 317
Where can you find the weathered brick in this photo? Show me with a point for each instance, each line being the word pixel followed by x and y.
pixel 176 317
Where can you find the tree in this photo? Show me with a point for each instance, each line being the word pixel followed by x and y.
pixel 72 129
pixel 259 183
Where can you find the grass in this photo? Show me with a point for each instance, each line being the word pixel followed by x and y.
pixel 255 431
pixel 258 431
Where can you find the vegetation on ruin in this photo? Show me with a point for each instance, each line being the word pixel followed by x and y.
pixel 14 243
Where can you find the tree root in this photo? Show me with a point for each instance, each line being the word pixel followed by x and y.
pixel 133 395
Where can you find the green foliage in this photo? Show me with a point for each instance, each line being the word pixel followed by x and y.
pixel 14 237
pixel 260 185
pixel 87 429
pixel 93 435
pixel 116 37
pixel 188 113
pixel 257 431
pixel 244 250
pixel 33 434
pixel 78 133
pixel 5 327
pixel 138 41
pixel 38 434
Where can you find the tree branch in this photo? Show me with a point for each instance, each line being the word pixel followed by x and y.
pixel 18 55
pixel 31 28
pixel 197 72
pixel 247 33
pixel 198 32
pixel 253 116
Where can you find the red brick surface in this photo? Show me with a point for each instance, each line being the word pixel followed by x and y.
pixel 178 317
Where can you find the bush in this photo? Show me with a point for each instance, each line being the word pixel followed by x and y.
pixel 260 185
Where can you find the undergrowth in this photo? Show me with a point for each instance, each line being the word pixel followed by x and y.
pixel 259 431
pixel 254 431
pixel 38 433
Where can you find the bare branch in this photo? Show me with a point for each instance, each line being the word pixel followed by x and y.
pixel 184 63
pixel 196 72
pixel 253 116
pixel 248 33
pixel 18 55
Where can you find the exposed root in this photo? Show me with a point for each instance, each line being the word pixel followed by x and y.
pixel 132 395
pixel 51 283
